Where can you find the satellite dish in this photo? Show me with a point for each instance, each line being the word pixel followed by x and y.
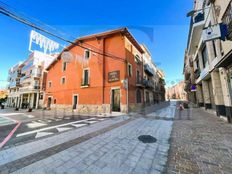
pixel 67 56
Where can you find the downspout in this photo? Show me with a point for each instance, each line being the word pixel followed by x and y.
pixel 103 71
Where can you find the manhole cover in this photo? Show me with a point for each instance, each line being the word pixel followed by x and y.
pixel 147 139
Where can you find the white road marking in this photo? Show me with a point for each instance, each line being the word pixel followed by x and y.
pixel 78 125
pixel 52 127
pixel 90 122
pixel 30 116
pixel 11 114
pixel 62 129
pixel 42 134
pixel 35 124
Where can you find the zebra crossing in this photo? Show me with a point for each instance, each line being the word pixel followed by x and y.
pixel 42 130
pixel 6 121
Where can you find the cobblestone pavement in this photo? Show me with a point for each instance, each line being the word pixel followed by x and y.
pixel 201 143
pixel 116 149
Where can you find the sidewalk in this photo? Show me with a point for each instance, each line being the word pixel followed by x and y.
pixel 202 144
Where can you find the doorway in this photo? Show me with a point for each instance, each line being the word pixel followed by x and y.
pixel 75 99
pixel 116 100
pixel 49 102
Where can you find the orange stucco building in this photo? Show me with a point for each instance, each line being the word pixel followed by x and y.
pixel 91 75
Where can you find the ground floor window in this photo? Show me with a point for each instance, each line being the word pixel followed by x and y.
pixel 138 96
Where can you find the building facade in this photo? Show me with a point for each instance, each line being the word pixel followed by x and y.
pixel 104 73
pixel 207 66
pixel 14 75
pixel 177 92
pixel 154 83
pixel 30 86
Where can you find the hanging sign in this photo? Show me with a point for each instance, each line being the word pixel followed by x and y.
pixel 218 31
pixel 43 42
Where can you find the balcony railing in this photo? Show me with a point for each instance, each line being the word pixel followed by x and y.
pixel 149 84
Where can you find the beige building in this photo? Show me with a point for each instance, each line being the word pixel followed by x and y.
pixel 176 92
pixel 154 91
pixel 207 66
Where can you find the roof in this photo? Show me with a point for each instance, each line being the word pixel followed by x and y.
pixel 124 31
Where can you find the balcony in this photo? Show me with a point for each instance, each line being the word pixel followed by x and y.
pixel 148 70
pixel 139 81
pixel 196 27
pixel 149 84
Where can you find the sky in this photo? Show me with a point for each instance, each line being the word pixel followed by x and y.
pixel 161 25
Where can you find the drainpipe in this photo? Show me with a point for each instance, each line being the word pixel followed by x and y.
pixel 103 71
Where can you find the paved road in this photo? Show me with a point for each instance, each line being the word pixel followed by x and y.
pixel 110 146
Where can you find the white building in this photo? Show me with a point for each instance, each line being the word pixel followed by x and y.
pixel 31 83
pixel 13 87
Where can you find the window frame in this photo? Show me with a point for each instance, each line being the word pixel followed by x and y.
pixel 61 81
pixel 64 68
pixel 87 50
pixel 205 57
pixel 83 77
pixel 130 70
pixel 49 84
pixel 138 100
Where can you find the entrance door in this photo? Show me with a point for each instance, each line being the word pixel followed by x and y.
pixel 116 100
pixel 75 102
pixel 49 102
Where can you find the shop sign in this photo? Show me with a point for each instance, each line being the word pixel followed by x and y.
pixel 113 76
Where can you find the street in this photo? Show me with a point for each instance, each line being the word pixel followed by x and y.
pixel 109 146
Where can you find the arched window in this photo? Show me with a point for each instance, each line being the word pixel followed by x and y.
pixel 54 101
pixel 138 96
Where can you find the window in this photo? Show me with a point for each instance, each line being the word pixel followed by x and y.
pixel 138 77
pixel 63 80
pixel 54 101
pixel 204 56
pixel 49 84
pixel 64 66
pixel 85 81
pixel 137 59
pixel 214 49
pixel 87 54
pixel 129 70
pixel 227 19
pixel 41 96
pixel 138 96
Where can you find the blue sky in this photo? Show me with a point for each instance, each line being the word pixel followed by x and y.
pixel 160 24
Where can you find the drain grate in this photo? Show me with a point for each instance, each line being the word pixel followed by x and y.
pixel 147 139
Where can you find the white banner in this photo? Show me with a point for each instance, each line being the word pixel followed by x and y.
pixel 44 43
